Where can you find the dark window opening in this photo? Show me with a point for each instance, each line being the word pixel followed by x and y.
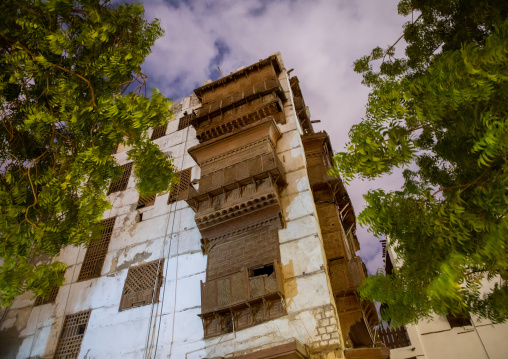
pixel 140 217
pixel 81 329
pixel 268 269
pixel 228 324
pixel 389 264
pixel 458 320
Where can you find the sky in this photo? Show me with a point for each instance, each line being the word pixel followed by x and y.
pixel 320 39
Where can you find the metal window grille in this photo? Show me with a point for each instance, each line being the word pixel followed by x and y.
pixel 185 121
pixel 140 284
pixel 96 252
pixel 49 298
pixel 120 183
pixel 146 201
pixel 159 131
pixel 69 344
pixel 181 190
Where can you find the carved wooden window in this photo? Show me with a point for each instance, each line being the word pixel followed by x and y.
pixel 96 252
pixel 142 285
pixel 159 131
pixel 458 320
pixel 146 201
pixel 120 183
pixel 49 298
pixel 69 344
pixel 185 121
pixel 181 190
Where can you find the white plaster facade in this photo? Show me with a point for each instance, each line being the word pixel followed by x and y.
pixel 436 339
pixel 171 328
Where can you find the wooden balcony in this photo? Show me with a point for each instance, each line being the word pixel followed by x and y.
pixel 240 290
pixel 261 88
pixel 394 338
pixel 263 166
pixel 346 276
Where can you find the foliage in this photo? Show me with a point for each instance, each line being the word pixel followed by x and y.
pixel 65 67
pixel 440 112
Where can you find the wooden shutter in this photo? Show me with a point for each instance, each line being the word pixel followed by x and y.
pixel 49 298
pixel 146 201
pixel 181 190
pixel 140 284
pixel 159 131
pixel 185 121
pixel 120 183
pixel 96 252
pixel 69 344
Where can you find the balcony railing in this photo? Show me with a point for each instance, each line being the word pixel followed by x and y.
pixel 346 275
pixel 394 338
pixel 239 289
pixel 258 167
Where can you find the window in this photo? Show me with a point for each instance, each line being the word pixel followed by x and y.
pixel 120 183
pixel 146 201
pixel 142 284
pixel 96 252
pixel 159 131
pixel 181 190
pixel 49 298
pixel 458 320
pixel 115 149
pixel 73 331
pixel 185 121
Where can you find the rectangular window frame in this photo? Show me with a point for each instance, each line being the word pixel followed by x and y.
pixel 139 286
pixel 71 337
pixel 159 131
pixel 120 183
pixel 180 192
pixel 96 252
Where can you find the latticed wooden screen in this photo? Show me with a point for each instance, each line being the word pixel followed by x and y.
pixel 142 284
pixel 120 183
pixel 146 201
pixel 181 190
pixel 49 298
pixel 115 149
pixel 185 121
pixel 159 131
pixel 96 252
pixel 73 331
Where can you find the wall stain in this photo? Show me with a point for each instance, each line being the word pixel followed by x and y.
pixel 138 258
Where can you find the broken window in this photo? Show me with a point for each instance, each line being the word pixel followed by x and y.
pixel 96 252
pixel 181 191
pixel 120 183
pixel 142 285
pixel 73 331
pixel 159 131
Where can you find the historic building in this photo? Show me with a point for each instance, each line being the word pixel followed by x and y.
pixel 251 255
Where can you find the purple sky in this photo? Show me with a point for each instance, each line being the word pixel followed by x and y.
pixel 319 39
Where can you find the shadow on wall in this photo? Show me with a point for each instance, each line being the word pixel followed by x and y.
pixel 290 289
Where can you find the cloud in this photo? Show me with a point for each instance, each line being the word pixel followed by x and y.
pixel 319 39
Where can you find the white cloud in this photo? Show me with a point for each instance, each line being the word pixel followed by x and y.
pixel 319 39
